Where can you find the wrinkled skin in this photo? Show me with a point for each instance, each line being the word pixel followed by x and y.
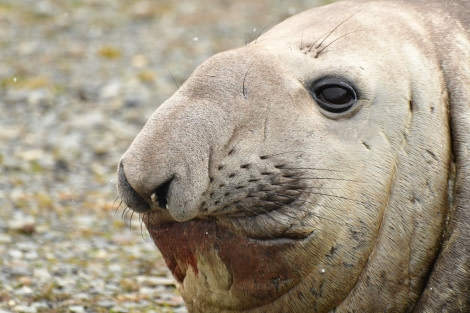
pixel 261 200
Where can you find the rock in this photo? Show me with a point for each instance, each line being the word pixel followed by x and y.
pixel 77 309
pixel 25 309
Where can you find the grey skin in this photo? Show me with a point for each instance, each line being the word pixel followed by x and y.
pixel 323 167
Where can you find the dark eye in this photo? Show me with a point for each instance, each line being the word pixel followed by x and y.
pixel 333 95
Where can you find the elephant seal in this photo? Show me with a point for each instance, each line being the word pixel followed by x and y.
pixel 324 167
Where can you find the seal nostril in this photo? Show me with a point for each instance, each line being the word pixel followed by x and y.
pixel 161 193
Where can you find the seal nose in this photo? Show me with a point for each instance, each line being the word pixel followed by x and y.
pixel 137 201
pixel 128 194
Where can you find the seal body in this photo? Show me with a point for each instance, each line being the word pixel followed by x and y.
pixel 323 167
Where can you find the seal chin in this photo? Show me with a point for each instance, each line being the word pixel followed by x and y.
pixel 203 248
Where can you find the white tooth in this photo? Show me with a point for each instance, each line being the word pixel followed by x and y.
pixel 167 206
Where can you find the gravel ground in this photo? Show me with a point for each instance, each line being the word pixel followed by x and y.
pixel 78 79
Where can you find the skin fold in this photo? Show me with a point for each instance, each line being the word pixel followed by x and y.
pixel 265 196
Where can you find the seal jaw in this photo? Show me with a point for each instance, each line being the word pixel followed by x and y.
pixel 230 264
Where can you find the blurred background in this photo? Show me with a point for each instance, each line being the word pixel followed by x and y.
pixel 78 79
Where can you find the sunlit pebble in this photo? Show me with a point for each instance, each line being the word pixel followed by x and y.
pixel 322 270
pixel 195 39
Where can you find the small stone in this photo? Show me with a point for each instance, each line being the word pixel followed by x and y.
pixel 139 61
pixel 25 281
pixel 88 92
pixel 25 291
pixel 23 223
pixel 25 309
pixel 105 304
pixel 15 254
pixel 40 306
pixel 41 274
pixel 115 268
pixel 143 9
pixel 77 309
pixel 118 309
pixel 147 291
pixel 111 90
pixel 31 255
pixel 125 237
pixel 81 296
pixel 155 281
pixel 4 238
pixel 41 97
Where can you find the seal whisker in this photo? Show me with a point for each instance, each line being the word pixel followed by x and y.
pixel 124 212
pixel 331 178
pixel 114 203
pixel 141 220
pixel 130 220
pixel 334 40
pixel 328 34
pixel 118 207
pixel 172 77
pixel 261 32
pixel 266 156
pixel 313 168
pixel 264 214
pixel 323 187
pixel 309 212
pixel 244 90
pixel 333 196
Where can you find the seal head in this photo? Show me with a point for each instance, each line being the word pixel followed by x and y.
pixel 323 167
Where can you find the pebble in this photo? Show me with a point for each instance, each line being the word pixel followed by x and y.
pixel 105 304
pixel 25 309
pixel 77 309
pixel 15 254
pixel 24 291
pixel 155 281
pixel 41 274
pixel 21 222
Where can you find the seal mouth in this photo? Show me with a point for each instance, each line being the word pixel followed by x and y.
pixel 271 226
pixel 201 244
